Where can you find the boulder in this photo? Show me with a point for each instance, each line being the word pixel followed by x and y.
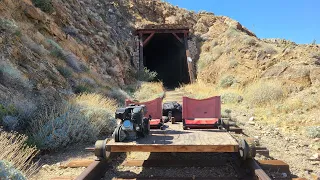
pixel 33 12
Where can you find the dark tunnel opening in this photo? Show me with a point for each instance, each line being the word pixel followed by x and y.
pixel 166 55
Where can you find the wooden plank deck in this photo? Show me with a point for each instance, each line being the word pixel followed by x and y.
pixel 175 139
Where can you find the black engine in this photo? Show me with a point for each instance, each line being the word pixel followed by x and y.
pixel 133 123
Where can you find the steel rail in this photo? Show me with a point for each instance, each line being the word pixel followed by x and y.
pixel 94 171
pixel 258 171
pixel 97 169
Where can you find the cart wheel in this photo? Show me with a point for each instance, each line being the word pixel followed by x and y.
pixel 117 134
pixel 146 127
pixel 101 150
pixel 226 124
pixel 252 148
pixel 247 150
pixel 243 149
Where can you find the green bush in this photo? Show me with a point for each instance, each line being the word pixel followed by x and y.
pixel 147 75
pixel 44 5
pixel 62 129
pixel 9 26
pixel 12 75
pixel 227 81
pixel 84 68
pixel 7 111
pixel 8 172
pixel 82 119
pixel 313 132
pixel 119 95
pixel 64 71
pixel 82 88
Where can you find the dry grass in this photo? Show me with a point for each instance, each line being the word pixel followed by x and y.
pixel 264 92
pixel 95 101
pixel 149 91
pixel 209 56
pixel 14 150
pixel 201 90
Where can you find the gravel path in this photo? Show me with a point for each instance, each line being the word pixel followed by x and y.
pixel 173 172
pixel 294 148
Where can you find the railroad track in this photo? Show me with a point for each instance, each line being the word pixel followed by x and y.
pixel 182 166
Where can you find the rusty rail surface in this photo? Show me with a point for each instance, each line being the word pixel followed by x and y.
pixel 94 171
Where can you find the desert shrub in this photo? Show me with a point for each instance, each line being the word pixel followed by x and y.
pixel 227 81
pixel 7 172
pixel 15 153
pixel 290 105
pixel 315 55
pixel 231 32
pixel 72 60
pixel 83 119
pixel 231 98
pixel 39 49
pixel 64 71
pixel 250 41
pixel 84 68
pixel 217 52
pixel 119 95
pixel 146 75
pixel 12 75
pixel 269 49
pixel 207 58
pixel 82 88
pixel 225 113
pixel 264 92
pixel 233 63
pixel 56 49
pixel 8 25
pixel 149 91
pixel 206 47
pixel 9 110
pixel 25 107
pixel 313 131
pixel 89 81
pixel 44 5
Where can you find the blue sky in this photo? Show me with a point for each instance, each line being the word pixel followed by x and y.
pixel 295 20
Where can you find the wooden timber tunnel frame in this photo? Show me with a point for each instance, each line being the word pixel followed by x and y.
pixel 181 33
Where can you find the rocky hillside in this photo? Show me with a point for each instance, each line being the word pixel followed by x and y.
pixel 51 49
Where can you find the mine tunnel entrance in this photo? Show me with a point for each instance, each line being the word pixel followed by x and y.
pixel 167 56
pixel 163 50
